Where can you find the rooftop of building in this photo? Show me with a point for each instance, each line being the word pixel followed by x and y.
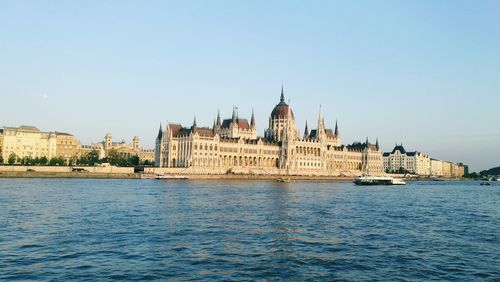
pixel 242 123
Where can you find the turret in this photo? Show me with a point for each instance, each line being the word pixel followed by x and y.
pixel 136 142
pixel 336 134
pixel 193 127
pixel 252 122
pixel 108 141
pixel 321 125
pixel 160 133
pixel 218 122
pixel 306 131
pixel 235 116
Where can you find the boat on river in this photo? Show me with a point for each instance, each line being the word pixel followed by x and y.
pixel 378 180
pixel 285 180
pixel 170 176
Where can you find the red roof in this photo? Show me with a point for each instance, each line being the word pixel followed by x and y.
pixel 175 129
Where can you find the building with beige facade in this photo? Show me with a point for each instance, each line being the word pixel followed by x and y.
pixel 420 164
pixel 123 149
pixel 67 147
pixel 401 160
pixel 29 142
pixel 232 146
pixel 436 167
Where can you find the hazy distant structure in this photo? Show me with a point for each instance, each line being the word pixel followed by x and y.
pixel 232 146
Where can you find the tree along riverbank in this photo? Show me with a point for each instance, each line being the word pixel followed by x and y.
pixel 40 174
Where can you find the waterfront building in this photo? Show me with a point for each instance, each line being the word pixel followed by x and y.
pixel 97 147
pixel 123 149
pixel 67 147
pixel 420 164
pixel 27 141
pixel 232 146
pixel 401 160
pixel 436 167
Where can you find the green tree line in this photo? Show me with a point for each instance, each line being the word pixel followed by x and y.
pixel 89 159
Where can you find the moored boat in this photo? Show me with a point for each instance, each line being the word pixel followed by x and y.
pixel 378 180
pixel 286 180
pixel 168 176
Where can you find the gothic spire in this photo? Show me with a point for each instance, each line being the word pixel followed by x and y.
pixel 306 131
pixel 376 144
pixel 234 114
pixel 252 122
pixel 336 129
pixel 218 122
pixel 194 124
pixel 366 140
pixel 160 133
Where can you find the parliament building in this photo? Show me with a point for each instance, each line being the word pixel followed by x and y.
pixel 232 146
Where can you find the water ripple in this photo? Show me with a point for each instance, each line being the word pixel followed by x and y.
pixel 115 230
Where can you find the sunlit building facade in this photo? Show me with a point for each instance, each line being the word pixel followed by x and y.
pixel 232 146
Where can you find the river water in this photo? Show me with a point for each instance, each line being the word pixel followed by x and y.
pixel 73 229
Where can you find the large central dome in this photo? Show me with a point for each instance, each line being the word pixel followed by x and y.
pixel 281 110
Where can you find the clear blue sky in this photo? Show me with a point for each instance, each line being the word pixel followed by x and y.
pixel 425 73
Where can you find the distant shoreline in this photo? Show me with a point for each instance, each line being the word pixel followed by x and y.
pixel 94 175
pixel 40 174
pixel 90 175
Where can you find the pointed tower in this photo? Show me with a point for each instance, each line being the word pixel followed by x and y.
pixel 366 142
pixel 234 117
pixel 160 133
pixel 306 131
pixel 320 133
pixel 252 122
pixel 376 144
pixel 336 130
pixel 218 122
pixel 193 128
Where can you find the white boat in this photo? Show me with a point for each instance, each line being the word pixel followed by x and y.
pixel 170 176
pixel 378 180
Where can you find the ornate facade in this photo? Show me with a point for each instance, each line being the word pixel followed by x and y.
pixel 121 148
pixel 232 146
